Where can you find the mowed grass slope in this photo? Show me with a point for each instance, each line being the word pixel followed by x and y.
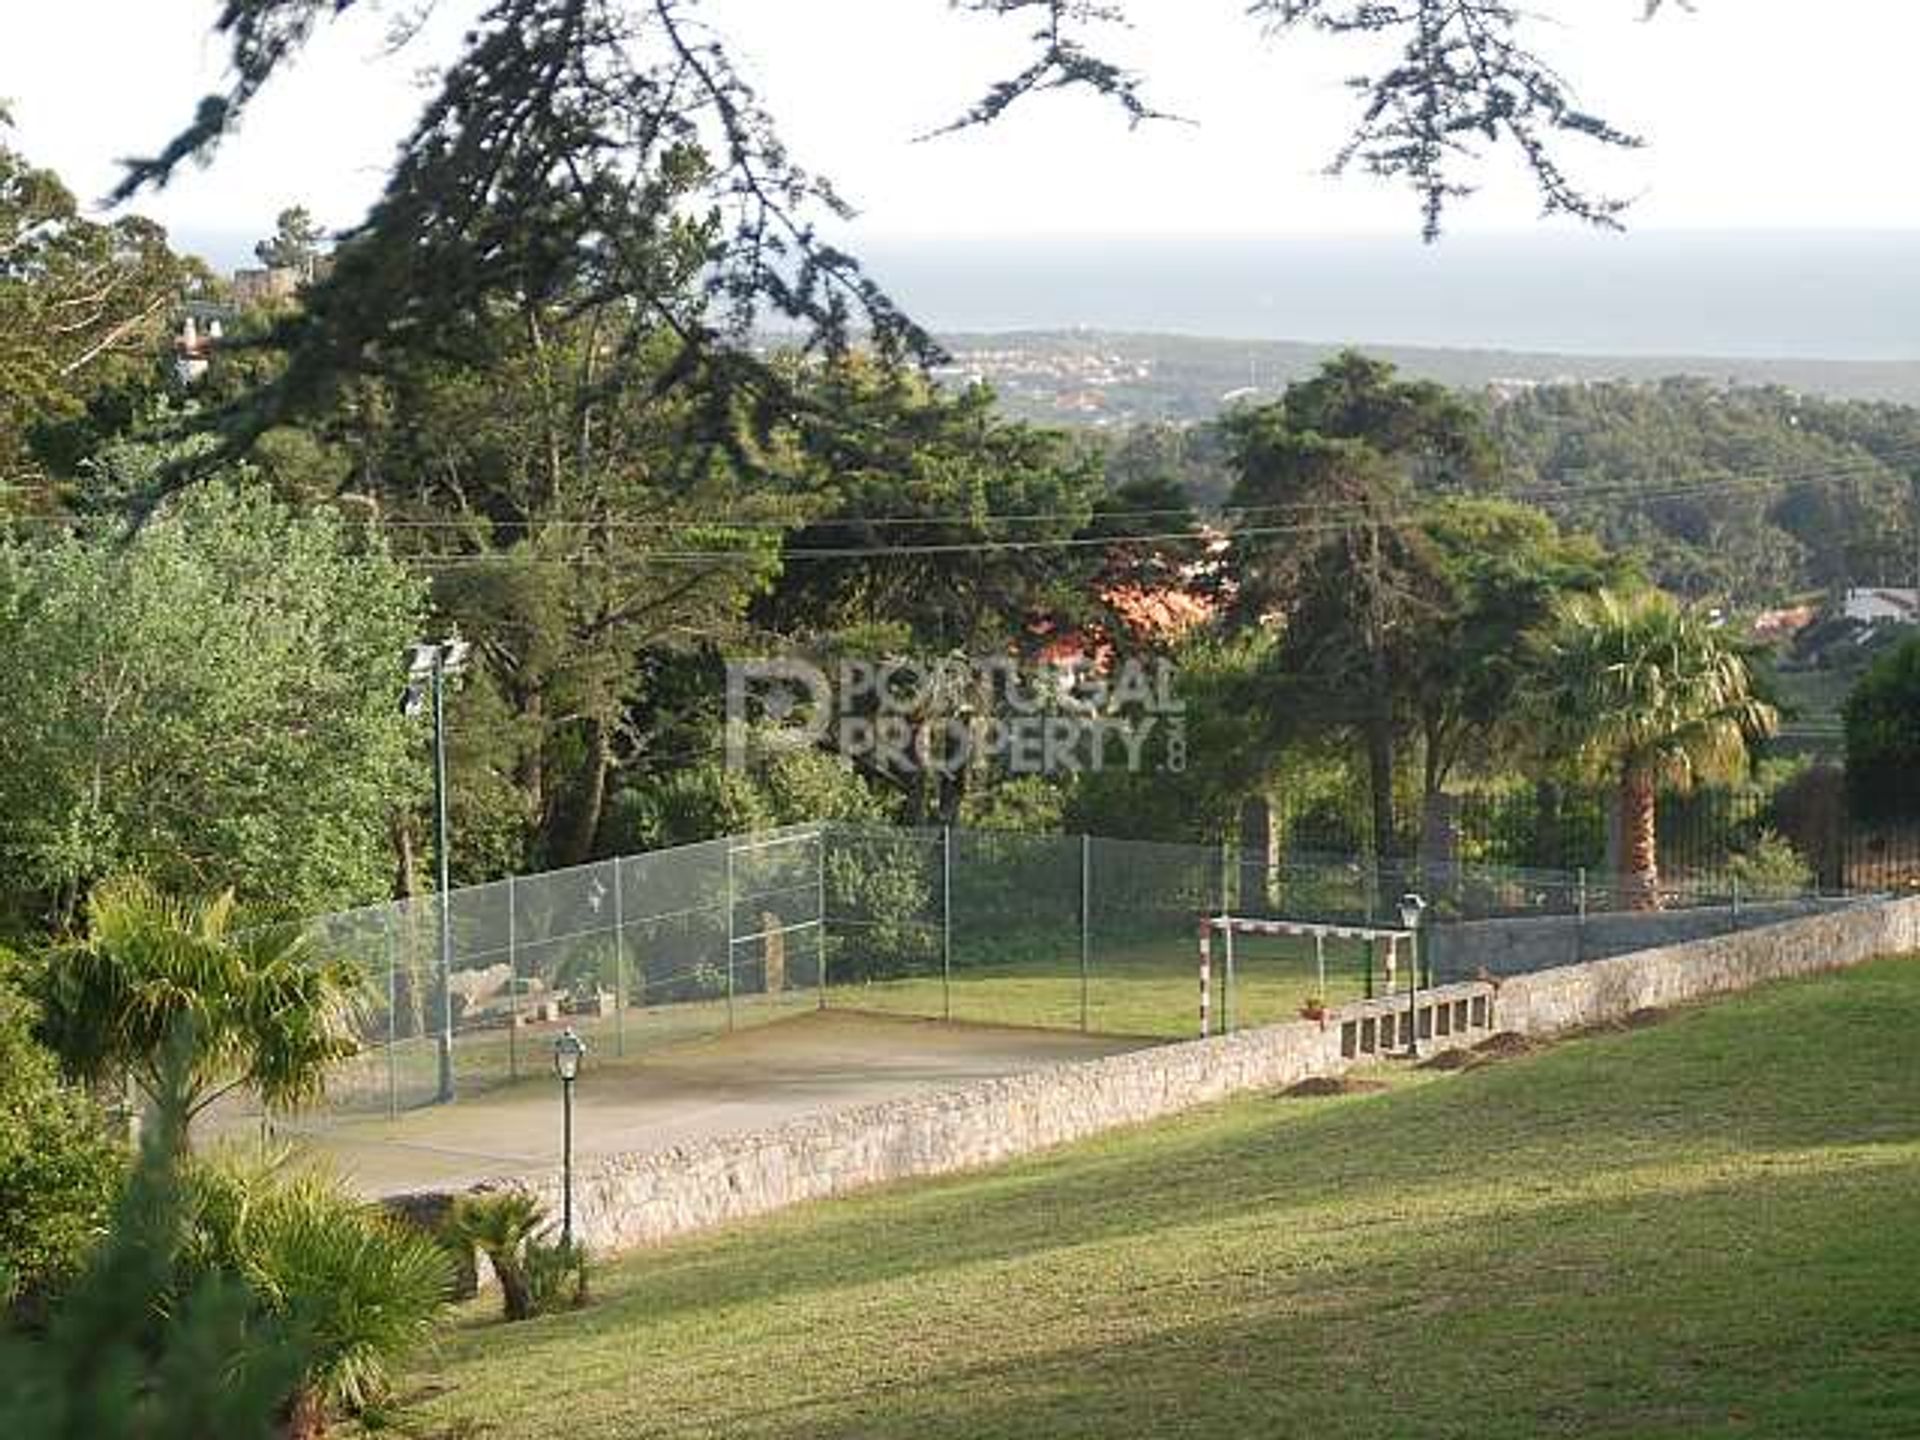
pixel 1710 1227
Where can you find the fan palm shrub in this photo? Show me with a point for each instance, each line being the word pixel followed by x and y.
pixel 509 1227
pixel 1640 691
pixel 360 1288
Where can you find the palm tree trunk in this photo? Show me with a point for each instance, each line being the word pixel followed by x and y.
pixel 1386 840
pixel 306 1414
pixel 1639 843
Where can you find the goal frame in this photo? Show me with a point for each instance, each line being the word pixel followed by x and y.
pixel 1227 926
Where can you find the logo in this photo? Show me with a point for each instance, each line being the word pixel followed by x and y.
pixel 949 715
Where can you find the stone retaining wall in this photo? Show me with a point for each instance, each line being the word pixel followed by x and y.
pixel 1554 1000
pixel 1520 945
pixel 627 1201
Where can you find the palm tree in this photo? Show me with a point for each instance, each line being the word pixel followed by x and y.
pixel 502 1225
pixel 1636 689
pixel 263 1011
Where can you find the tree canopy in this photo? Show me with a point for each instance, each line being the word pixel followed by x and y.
pixel 211 699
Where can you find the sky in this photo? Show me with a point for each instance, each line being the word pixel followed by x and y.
pixel 1760 114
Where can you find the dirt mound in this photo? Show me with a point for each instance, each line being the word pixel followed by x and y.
pixel 1507 1045
pixel 1451 1060
pixel 1320 1086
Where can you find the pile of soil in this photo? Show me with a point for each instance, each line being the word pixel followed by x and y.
pixel 1318 1087
pixel 1507 1045
pixel 1451 1060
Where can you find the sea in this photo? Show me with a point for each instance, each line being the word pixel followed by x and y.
pixel 1836 295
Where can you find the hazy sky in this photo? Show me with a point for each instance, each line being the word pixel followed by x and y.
pixel 1760 113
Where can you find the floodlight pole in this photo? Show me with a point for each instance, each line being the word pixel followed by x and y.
pixel 442 845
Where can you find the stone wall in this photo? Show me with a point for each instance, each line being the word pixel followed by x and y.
pixel 627 1201
pixel 1520 946
pixel 1553 1000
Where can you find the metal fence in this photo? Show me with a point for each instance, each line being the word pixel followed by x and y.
pixel 1066 932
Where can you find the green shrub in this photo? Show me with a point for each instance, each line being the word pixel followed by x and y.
pixel 1769 865
pixel 1883 737
pixel 60 1169
pixel 360 1287
pixel 536 1274
pixel 556 1274
pixel 130 1354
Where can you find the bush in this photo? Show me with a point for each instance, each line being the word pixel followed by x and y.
pixel 556 1274
pixel 536 1274
pixel 130 1354
pixel 1770 866
pixel 360 1287
pixel 1883 737
pixel 60 1169
pixel 707 801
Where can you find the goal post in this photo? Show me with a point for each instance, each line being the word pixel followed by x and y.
pixel 1216 1018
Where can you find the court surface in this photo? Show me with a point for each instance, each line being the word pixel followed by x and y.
pixel 748 1080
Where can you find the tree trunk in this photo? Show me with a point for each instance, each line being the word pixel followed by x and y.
pixel 516 1297
pixel 1379 730
pixel 406 877
pixel 1386 842
pixel 592 801
pixel 1639 843
pixel 531 772
pixel 306 1414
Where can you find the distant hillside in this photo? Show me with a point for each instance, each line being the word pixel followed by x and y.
pixel 1117 378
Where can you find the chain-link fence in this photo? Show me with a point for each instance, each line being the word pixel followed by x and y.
pixel 982 927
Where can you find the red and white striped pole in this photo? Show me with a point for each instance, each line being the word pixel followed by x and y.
pixel 1206 977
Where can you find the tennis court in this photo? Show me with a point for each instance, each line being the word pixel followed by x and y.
pixel 674 1094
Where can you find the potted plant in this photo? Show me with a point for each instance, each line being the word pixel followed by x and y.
pixel 1314 1008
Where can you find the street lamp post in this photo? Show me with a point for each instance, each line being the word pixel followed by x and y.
pixel 1412 908
pixel 568 1050
pixel 429 664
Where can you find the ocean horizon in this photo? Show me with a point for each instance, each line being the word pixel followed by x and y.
pixel 1769 295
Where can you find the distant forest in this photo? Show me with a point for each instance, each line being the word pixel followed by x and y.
pixel 1744 496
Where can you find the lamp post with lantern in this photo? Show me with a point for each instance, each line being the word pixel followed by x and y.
pixel 568 1051
pixel 1412 908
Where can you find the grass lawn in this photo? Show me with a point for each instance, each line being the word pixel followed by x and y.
pixel 1710 1227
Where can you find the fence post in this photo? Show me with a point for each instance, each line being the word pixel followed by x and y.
pixel 1734 906
pixel 1086 921
pixel 513 987
pixel 620 987
pixel 1580 918
pixel 1226 988
pixel 393 1004
pixel 730 932
pixel 820 913
pixel 946 922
